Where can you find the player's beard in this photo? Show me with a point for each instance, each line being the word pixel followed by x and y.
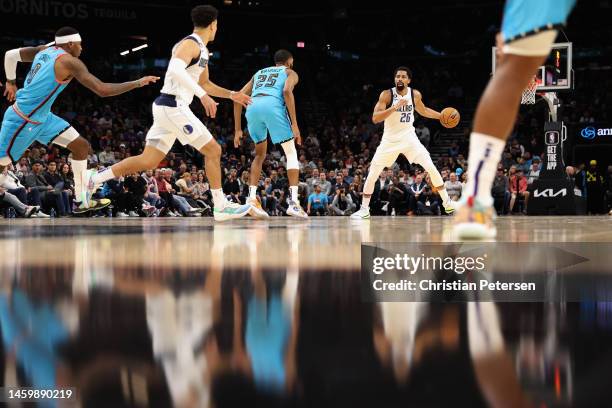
pixel 400 86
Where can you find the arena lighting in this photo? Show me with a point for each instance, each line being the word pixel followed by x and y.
pixel 140 47
pixel 126 52
pixel 301 44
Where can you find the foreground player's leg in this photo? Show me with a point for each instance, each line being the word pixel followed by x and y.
pixel 368 189
pixel 256 166
pixel 80 148
pixel 493 123
pixel 293 172
pixel 224 210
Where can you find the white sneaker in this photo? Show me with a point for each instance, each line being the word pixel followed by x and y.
pixel 257 210
pixel 40 214
pixel 121 214
pixel 134 214
pixel 295 210
pixel 231 211
pixel 362 214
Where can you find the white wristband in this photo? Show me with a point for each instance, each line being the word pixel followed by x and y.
pixel 11 58
pixel 200 92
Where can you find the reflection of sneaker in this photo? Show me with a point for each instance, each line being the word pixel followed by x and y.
pixel 295 210
pixel 474 221
pixel 231 211
pixel 257 210
pixel 362 214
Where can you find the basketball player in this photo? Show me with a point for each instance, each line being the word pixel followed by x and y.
pixel 30 119
pixel 272 97
pixel 528 32
pixel 187 75
pixel 396 108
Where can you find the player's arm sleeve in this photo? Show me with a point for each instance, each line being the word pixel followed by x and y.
pixel 423 110
pixel 11 58
pixel 14 56
pixel 177 71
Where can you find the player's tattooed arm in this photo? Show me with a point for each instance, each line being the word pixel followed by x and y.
pixel 381 112
pixel 73 67
pixel 247 89
pixel 290 83
pixel 423 110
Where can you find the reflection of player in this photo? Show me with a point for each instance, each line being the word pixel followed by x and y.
pixel 528 32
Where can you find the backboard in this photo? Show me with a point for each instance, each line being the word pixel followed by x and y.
pixel 556 74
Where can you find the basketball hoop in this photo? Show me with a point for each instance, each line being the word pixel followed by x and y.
pixel 529 93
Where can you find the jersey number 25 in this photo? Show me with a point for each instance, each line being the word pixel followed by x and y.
pixel 271 80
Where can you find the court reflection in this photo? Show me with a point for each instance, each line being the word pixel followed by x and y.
pixel 245 330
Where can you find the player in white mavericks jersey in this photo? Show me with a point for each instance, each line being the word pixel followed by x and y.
pixel 187 76
pixel 396 107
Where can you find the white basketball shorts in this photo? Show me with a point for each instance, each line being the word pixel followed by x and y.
pixel 391 147
pixel 176 122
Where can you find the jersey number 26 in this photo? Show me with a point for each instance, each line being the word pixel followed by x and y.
pixel 405 118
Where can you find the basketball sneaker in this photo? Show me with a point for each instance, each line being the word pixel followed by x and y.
pixel 231 211
pixel 449 207
pixel 87 201
pixel 295 210
pixel 362 214
pixel 257 210
pixel 474 221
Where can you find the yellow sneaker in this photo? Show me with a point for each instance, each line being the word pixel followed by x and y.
pixel 473 220
pixel 257 210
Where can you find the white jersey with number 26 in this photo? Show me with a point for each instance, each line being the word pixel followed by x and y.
pixel 401 121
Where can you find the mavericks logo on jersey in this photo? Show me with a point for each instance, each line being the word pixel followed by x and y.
pixel 188 129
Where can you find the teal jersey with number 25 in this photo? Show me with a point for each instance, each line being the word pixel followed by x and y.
pixel 270 81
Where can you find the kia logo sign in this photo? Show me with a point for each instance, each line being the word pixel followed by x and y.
pixel 589 133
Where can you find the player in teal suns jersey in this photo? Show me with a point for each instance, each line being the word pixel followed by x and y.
pixel 30 120
pixel 272 92
pixel 528 30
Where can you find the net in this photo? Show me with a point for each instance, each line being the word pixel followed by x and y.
pixel 529 93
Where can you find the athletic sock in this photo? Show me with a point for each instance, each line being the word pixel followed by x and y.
pixel 219 199
pixel 485 153
pixel 365 202
pixel 79 169
pixel 294 194
pixel 104 175
pixel 252 192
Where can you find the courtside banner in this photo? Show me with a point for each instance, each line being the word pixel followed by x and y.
pixel 500 272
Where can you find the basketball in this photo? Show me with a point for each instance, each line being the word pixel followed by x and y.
pixel 450 117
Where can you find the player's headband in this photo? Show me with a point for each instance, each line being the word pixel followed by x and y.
pixel 65 39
